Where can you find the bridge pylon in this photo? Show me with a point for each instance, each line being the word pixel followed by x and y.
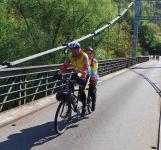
pixel 136 27
pixel 138 18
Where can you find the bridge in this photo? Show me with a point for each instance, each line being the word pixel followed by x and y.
pixel 127 113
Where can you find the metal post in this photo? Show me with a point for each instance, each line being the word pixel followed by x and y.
pixel 136 26
pixel 20 88
pixel 47 81
pixel 25 86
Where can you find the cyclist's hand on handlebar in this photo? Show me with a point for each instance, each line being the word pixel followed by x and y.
pixel 79 75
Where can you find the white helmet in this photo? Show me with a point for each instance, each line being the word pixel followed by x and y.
pixel 73 45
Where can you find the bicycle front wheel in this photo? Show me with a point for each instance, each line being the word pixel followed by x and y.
pixel 62 117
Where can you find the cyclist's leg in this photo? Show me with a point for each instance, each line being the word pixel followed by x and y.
pixel 81 93
pixel 71 86
pixel 83 99
pixel 92 93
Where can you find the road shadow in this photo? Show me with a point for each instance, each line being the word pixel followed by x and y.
pixel 34 136
pixel 27 138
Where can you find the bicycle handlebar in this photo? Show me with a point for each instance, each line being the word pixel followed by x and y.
pixel 67 81
pixel 60 78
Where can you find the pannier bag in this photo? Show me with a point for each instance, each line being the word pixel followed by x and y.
pixel 63 95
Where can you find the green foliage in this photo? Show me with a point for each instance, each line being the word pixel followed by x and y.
pixel 150 31
pixel 149 38
pixel 32 26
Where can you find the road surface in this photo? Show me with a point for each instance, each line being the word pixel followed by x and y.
pixel 126 118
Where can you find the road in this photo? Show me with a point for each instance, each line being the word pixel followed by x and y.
pixel 126 118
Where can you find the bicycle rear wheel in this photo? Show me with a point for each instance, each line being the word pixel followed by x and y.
pixel 62 117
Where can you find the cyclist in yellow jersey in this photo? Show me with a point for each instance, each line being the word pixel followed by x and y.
pixel 80 63
pixel 94 76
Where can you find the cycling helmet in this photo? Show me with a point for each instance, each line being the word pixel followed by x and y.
pixel 89 49
pixel 73 45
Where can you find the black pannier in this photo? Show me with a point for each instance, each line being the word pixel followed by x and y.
pixel 63 95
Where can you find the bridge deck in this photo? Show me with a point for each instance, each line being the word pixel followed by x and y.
pixel 126 118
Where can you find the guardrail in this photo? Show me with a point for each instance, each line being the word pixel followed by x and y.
pixel 22 85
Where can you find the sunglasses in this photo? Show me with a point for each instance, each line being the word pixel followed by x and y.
pixel 89 53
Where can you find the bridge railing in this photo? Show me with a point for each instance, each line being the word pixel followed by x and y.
pixel 22 85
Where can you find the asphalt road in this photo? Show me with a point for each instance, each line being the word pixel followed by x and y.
pixel 126 118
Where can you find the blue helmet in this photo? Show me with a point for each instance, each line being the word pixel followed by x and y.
pixel 73 45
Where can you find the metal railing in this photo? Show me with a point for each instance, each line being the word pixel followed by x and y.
pixel 22 85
